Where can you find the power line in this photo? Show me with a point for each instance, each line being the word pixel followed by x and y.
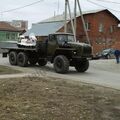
pixel 102 6
pixel 14 9
pixel 107 1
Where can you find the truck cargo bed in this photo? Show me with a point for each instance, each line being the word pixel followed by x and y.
pixel 13 46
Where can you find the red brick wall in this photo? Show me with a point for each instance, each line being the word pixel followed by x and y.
pixel 116 44
pixel 100 40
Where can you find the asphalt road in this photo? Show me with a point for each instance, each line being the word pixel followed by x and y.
pixel 101 72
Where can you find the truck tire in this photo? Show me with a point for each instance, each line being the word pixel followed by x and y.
pixel 82 66
pixel 42 62
pixel 13 58
pixel 61 64
pixel 22 59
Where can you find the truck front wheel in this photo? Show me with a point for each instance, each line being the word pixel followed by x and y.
pixel 13 58
pixel 22 59
pixel 61 64
pixel 82 66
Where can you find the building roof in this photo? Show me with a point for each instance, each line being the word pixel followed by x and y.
pixel 45 28
pixel 4 26
pixel 62 16
pixel 53 24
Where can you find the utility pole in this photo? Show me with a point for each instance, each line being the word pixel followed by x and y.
pixel 74 25
pixel 71 19
pixel 65 24
pixel 83 21
pixel 75 15
pixel 67 4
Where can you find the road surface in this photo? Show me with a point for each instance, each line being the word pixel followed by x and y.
pixel 101 72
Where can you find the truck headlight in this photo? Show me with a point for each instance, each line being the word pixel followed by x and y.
pixel 74 53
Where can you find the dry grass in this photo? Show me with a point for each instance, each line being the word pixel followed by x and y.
pixel 47 99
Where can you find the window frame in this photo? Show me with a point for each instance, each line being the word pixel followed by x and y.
pixel 101 27
pixel 88 26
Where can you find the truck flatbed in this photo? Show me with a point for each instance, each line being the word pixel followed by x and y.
pixel 7 46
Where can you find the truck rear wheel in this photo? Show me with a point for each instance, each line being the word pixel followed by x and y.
pixel 42 62
pixel 13 58
pixel 22 59
pixel 82 66
pixel 61 64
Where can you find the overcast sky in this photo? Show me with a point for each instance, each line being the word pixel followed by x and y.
pixel 47 8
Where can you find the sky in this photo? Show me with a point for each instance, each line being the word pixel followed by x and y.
pixel 48 8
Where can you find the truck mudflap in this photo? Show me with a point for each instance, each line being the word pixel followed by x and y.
pixel 4 54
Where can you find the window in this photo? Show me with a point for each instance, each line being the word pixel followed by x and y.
pixel 101 27
pixel 65 38
pixel 52 38
pixel 112 28
pixel 13 36
pixel 71 38
pixel 88 26
pixel 61 38
pixel 7 36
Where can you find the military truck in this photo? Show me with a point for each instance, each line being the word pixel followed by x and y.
pixel 59 48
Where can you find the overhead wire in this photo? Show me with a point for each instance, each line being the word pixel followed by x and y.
pixel 108 1
pixel 102 6
pixel 14 9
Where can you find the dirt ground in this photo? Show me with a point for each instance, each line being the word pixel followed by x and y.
pixel 33 98
pixel 7 70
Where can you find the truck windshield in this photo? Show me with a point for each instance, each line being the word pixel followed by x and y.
pixel 65 38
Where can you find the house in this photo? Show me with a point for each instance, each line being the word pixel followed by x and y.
pixel 43 29
pixel 21 25
pixel 101 25
pixel 8 32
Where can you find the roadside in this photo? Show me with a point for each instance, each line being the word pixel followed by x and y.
pixel 106 65
pixel 53 98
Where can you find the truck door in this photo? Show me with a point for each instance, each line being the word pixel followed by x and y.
pixel 52 45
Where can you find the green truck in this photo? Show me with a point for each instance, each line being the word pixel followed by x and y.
pixel 59 48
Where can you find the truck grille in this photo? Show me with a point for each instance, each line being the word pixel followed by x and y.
pixel 87 50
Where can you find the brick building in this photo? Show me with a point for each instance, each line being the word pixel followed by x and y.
pixel 102 27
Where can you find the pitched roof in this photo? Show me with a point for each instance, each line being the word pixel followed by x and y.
pixel 4 26
pixel 45 28
pixel 53 24
pixel 62 16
